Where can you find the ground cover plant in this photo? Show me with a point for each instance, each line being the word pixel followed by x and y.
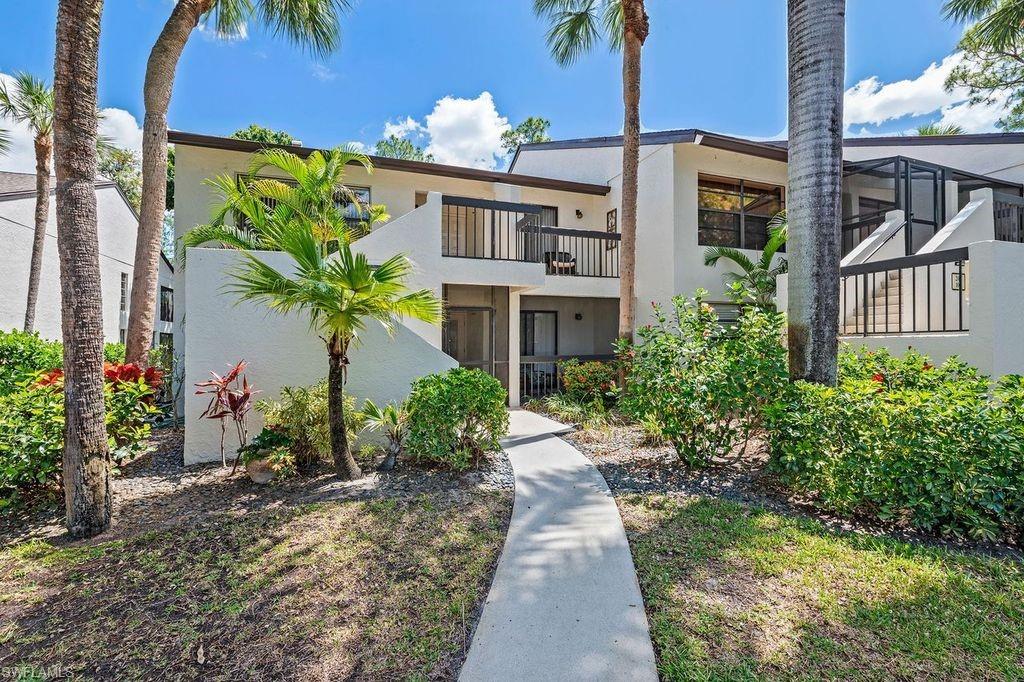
pixel 382 589
pixel 703 385
pixel 455 417
pixel 738 593
pixel 937 447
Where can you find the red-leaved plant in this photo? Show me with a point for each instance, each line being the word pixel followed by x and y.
pixel 231 397
pixel 113 374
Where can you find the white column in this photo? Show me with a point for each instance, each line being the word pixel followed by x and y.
pixel 952 200
pixel 513 347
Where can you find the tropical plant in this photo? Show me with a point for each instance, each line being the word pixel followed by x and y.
pixel 311 24
pixel 817 56
pixel 317 199
pixel 302 413
pixel 231 398
pixel 5 141
pixel 532 129
pixel 393 420
pixel 756 281
pixel 30 102
pixel 395 147
pixel 587 382
pixel 992 48
pixel 75 121
pixel 339 290
pixel 257 133
pixel 455 417
pixel 934 129
pixel 576 26
pixel 704 386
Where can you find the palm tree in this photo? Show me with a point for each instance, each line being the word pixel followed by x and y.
pixel 998 23
pixel 339 290
pixel 816 66
pixel 576 26
pixel 5 141
pixel 31 102
pixel 75 121
pixel 933 129
pixel 757 280
pixel 313 24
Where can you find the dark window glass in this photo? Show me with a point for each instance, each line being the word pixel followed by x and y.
pixel 166 304
pixel 735 213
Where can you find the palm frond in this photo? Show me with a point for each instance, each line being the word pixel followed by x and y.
pixel 998 22
pixel 5 141
pixel 713 254
pixel 30 101
pixel 574 27
pixel 225 235
pixel 614 24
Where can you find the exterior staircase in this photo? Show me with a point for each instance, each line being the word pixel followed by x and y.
pixel 882 314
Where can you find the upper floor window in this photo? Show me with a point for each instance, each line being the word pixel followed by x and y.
pixel 166 304
pixel 355 203
pixel 735 212
pixel 124 292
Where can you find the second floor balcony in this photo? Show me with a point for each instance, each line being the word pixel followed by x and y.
pixel 509 231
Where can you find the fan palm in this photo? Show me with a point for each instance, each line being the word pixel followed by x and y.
pixel 311 24
pixel 30 102
pixel 932 129
pixel 757 280
pixel 998 22
pixel 576 27
pixel 337 289
pixel 393 420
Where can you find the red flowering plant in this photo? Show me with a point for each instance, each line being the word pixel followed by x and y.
pixel 231 398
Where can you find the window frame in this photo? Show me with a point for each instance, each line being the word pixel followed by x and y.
pixel 169 308
pixel 742 184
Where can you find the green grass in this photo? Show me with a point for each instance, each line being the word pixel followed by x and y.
pixel 367 590
pixel 736 593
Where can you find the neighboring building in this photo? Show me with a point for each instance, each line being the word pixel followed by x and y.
pixel 117 226
pixel 527 260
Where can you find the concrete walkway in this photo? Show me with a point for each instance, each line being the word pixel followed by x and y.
pixel 564 604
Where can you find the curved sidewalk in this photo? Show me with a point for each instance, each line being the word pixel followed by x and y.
pixel 565 603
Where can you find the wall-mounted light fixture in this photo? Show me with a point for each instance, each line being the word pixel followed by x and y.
pixel 579 214
pixel 579 316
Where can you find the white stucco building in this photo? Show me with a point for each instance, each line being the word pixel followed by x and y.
pixel 527 260
pixel 117 226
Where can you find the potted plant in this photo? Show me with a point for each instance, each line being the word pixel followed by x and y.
pixel 267 456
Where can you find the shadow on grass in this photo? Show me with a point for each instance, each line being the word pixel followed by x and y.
pixel 374 589
pixel 735 592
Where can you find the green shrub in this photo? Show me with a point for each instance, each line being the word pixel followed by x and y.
pixel 302 415
pixel 586 382
pixel 455 417
pixel 902 440
pixel 702 385
pixel 23 356
pixel 32 433
pixel 587 415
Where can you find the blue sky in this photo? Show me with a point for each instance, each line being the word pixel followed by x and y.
pixel 715 64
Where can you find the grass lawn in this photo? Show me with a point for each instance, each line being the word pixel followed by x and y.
pixel 370 590
pixel 737 593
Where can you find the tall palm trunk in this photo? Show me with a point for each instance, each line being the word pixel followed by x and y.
pixel 163 61
pixel 816 65
pixel 86 458
pixel 344 464
pixel 44 147
pixel 635 29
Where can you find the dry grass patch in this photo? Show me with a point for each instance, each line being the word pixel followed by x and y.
pixel 383 589
pixel 737 593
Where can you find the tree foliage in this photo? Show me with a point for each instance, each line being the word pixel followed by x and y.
pixel 124 167
pixel 395 147
pixel 257 133
pixel 992 68
pixel 533 129
pixel 934 129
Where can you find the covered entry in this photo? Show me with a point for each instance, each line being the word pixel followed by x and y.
pixel 475 328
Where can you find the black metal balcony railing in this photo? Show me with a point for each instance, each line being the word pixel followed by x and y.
pixel 580 253
pixel 1008 212
pixel 541 375
pixel 496 230
pixel 909 295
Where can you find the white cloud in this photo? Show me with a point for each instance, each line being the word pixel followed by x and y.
pixel 118 125
pixel 323 73
pixel 208 32
pixel 403 128
pixel 875 103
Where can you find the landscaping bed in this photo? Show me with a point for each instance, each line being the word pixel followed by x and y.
pixel 736 592
pixel 208 576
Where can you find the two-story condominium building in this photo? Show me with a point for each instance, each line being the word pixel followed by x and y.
pixel 527 260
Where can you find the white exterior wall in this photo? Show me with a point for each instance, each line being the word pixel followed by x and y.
pixel 280 350
pixel 117 228
pixel 593 334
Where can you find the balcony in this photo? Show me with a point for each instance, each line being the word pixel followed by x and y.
pixel 507 231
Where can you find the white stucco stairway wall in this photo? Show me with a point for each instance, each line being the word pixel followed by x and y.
pixel 280 350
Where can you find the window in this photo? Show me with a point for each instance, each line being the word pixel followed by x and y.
pixel 124 292
pixel 166 304
pixel 165 341
pixel 355 203
pixel 538 332
pixel 549 216
pixel 611 226
pixel 121 335
pixel 735 212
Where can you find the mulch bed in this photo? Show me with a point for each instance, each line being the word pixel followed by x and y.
pixel 631 465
